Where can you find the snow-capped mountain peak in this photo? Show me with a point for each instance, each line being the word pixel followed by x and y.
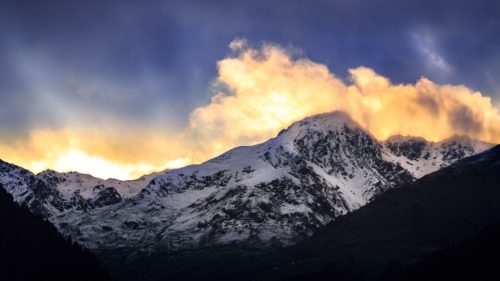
pixel 275 192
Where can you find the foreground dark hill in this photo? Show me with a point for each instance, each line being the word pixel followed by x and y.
pixel 32 249
pixel 475 259
pixel 403 235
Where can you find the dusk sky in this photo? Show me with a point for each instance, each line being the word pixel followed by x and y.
pixel 122 88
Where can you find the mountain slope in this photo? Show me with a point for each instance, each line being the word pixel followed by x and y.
pixel 32 249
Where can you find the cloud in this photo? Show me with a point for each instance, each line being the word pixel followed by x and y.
pixel 427 47
pixel 238 44
pixel 259 91
pixel 262 90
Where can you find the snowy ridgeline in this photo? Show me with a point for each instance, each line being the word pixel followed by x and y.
pixel 276 192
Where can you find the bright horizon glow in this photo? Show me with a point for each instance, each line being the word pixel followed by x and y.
pixel 100 167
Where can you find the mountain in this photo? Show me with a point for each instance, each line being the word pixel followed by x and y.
pixel 275 193
pixel 443 226
pixel 425 220
pixel 32 249
pixel 402 234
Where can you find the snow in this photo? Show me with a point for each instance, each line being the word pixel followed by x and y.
pixel 352 190
pixel 290 209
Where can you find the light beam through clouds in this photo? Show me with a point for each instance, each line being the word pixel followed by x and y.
pixel 259 91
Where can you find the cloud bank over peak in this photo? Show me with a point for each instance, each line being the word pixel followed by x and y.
pixel 262 90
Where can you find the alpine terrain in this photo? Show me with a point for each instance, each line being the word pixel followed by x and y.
pixel 274 193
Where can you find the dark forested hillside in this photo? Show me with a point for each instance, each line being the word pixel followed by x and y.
pixel 32 249
pixel 476 259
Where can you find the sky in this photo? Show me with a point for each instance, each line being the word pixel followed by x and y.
pixel 122 88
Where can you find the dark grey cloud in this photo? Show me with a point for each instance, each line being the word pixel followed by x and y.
pixel 465 122
pixel 430 103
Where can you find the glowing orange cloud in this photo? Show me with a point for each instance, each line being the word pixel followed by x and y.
pixel 258 92
pixel 264 90
pixel 114 153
